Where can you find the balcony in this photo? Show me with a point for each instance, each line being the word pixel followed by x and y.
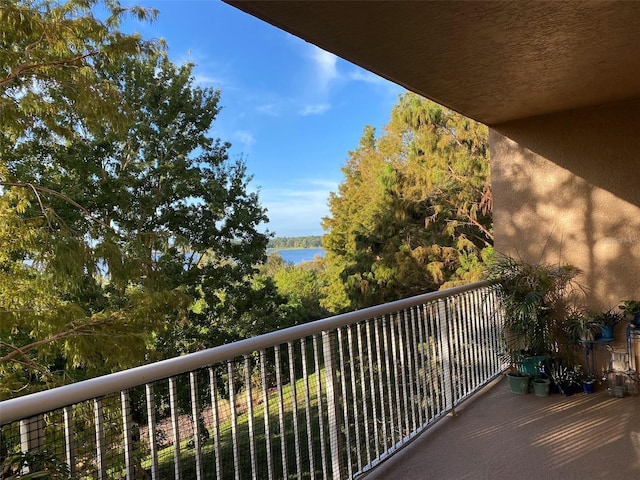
pixel 498 435
pixel 335 399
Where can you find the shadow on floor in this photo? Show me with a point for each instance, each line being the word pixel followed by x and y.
pixel 498 435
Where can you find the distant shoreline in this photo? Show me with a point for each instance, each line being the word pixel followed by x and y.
pixel 290 243
pixel 277 249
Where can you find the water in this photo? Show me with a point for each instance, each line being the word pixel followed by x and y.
pixel 298 255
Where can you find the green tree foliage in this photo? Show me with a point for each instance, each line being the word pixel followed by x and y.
pixel 124 234
pixel 298 290
pixel 39 465
pixel 48 51
pixel 414 211
pixel 279 295
pixel 313 241
pixel 303 285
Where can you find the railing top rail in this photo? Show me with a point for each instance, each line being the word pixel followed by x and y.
pixel 48 400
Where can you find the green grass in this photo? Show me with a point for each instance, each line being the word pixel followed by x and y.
pixel 166 459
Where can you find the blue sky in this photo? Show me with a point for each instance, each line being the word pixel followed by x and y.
pixel 290 110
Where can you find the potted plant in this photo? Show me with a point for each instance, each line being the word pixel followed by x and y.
pixel 518 382
pixel 565 378
pixel 535 302
pixel 588 382
pixel 541 386
pixel 607 322
pixel 632 308
pixel 582 327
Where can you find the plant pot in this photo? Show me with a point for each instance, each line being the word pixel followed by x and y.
pixel 588 387
pixel 518 383
pixel 567 389
pixel 541 387
pixel 636 321
pixel 607 332
pixel 531 365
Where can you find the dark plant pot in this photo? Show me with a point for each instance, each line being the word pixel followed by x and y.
pixel 567 389
pixel 607 332
pixel 518 383
pixel 588 387
pixel 636 321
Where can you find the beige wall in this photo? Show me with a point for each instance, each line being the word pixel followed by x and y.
pixel 567 190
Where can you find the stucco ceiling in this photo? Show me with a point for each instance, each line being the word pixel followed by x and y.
pixel 492 61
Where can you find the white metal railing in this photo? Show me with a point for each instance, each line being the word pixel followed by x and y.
pixel 327 399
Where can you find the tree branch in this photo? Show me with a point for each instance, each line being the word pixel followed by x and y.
pixel 35 192
pixel 28 364
pixel 487 233
pixel 75 331
pixel 26 66
pixel 59 195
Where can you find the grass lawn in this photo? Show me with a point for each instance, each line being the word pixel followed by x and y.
pixel 166 455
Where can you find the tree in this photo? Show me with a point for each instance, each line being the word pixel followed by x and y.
pixel 118 233
pixel 413 213
pixel 48 51
pixel 303 285
pixel 47 81
pixel 312 241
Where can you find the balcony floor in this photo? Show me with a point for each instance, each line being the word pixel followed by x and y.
pixel 498 435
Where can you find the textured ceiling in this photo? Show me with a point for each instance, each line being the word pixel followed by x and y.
pixel 491 61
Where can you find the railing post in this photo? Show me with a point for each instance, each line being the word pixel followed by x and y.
pixel 151 422
pixel 173 404
pixel 31 436
pixel 445 342
pixel 250 417
pixel 265 403
pixel 101 441
pixel 281 413
pixel 127 434
pixel 69 447
pixel 333 404
pixel 213 387
pixel 195 418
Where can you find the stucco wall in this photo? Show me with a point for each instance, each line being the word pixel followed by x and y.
pixel 567 190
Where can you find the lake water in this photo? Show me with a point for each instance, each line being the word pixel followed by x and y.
pixel 298 255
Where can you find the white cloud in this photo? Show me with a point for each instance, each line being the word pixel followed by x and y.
pixel 326 185
pixel 325 65
pixel 314 109
pixel 360 75
pixel 298 210
pixel 244 137
pixel 270 109
pixel 204 80
pixel 208 71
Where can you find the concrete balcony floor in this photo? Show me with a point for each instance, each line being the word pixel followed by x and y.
pixel 498 435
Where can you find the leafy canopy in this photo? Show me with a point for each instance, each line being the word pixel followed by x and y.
pixel 413 213
pixel 48 54
pixel 126 229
